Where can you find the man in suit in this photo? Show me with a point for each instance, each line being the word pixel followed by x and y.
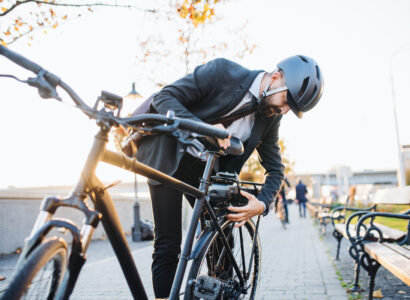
pixel 212 93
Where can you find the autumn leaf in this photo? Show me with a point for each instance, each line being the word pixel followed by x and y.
pixel 4 9
pixel 16 28
pixel 206 8
pixel 3 43
pixel 378 294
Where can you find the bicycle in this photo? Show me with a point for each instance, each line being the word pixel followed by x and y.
pixel 281 210
pixel 225 260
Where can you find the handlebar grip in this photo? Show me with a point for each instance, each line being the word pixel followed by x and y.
pixel 203 128
pixel 20 60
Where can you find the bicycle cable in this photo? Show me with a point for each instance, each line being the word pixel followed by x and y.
pixel 13 77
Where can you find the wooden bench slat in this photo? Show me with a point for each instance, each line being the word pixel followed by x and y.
pixel 397 264
pixel 399 249
pixel 341 228
pixel 390 233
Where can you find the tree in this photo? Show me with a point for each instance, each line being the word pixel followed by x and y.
pixel 253 171
pixel 177 45
pixel 19 18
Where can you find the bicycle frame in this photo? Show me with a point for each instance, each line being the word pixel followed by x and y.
pixel 89 185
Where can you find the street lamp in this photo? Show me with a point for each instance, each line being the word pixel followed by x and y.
pixel 133 95
pixel 400 172
pixel 136 229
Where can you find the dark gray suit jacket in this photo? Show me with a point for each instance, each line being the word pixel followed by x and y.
pixel 207 94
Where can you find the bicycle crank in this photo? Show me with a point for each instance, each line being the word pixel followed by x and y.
pixel 210 288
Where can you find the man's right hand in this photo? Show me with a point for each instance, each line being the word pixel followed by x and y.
pixel 223 143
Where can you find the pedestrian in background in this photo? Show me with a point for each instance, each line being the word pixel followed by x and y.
pixel 301 192
pixel 282 192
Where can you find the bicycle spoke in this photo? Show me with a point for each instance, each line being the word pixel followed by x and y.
pixel 243 254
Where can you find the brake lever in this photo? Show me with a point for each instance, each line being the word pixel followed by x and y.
pixel 45 89
pixel 183 137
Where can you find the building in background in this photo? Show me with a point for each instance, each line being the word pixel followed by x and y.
pixel 405 152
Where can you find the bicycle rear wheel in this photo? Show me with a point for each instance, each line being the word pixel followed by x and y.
pixel 42 272
pixel 214 262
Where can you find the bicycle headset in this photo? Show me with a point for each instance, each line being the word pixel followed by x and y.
pixel 303 81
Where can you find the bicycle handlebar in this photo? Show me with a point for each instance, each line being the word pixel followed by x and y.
pixel 20 60
pixel 187 124
pixel 203 128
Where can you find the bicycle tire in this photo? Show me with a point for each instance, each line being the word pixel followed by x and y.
pixel 27 281
pixel 200 263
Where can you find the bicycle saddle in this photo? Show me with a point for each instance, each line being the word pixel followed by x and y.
pixel 236 147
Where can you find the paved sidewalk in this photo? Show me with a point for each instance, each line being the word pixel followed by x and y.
pixel 295 265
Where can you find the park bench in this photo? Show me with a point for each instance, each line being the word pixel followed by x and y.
pixel 352 232
pixel 339 229
pixel 394 257
pixel 320 212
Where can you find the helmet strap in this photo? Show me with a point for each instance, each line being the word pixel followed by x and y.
pixel 265 93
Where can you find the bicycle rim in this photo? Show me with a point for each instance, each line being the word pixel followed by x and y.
pixel 41 274
pixel 214 262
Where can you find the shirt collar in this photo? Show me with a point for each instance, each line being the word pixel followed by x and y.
pixel 256 85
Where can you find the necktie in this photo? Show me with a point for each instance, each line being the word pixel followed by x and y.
pixel 245 110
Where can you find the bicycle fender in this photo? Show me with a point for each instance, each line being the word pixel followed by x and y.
pixel 204 238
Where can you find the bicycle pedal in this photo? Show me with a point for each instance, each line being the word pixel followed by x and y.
pixel 208 288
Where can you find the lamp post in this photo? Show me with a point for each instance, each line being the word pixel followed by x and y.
pixel 401 177
pixel 136 229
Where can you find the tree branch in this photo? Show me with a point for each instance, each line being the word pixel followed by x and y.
pixel 18 3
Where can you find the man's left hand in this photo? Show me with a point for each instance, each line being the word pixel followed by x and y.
pixel 243 213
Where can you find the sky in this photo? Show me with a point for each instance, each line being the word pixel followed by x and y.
pixel 360 46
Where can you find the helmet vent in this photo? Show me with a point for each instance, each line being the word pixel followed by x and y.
pixel 304 85
pixel 314 90
pixel 317 72
pixel 303 58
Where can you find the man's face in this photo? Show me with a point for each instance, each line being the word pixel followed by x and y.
pixel 276 103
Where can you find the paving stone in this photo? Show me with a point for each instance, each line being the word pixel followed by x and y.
pixel 295 265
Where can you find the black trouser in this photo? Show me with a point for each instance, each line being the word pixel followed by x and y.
pixel 302 209
pixel 166 207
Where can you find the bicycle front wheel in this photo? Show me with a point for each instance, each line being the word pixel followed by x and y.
pixel 42 272
pixel 214 262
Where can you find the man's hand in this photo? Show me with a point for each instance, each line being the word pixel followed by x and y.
pixel 243 213
pixel 223 143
